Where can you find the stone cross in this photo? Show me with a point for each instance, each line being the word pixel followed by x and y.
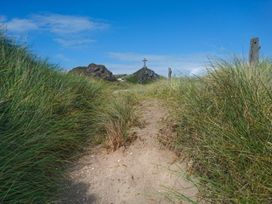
pixel 144 60
pixel 169 73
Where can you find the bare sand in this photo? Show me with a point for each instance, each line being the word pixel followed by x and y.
pixel 141 173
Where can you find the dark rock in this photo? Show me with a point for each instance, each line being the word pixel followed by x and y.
pixel 145 75
pixel 94 70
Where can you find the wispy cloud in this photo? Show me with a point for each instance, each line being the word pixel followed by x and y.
pixel 20 25
pixel 62 26
pixel 191 64
pixel 65 24
pixel 74 42
pixel 55 23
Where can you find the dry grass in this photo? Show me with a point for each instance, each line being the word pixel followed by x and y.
pixel 116 119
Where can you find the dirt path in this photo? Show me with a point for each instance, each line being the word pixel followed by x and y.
pixel 138 174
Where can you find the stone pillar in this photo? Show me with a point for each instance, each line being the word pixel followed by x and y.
pixel 254 51
pixel 169 73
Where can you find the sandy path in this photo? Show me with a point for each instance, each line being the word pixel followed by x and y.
pixel 135 175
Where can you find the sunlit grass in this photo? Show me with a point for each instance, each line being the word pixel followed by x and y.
pixel 116 119
pixel 225 125
pixel 46 116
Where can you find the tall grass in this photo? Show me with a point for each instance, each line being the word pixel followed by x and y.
pixel 225 126
pixel 45 116
pixel 117 118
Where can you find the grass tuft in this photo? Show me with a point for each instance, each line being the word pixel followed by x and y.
pixel 116 119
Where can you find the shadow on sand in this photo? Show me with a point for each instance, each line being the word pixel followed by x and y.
pixel 76 193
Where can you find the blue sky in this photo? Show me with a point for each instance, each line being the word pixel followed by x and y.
pixel 180 34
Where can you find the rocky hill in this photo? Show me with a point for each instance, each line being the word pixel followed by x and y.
pixel 143 76
pixel 94 70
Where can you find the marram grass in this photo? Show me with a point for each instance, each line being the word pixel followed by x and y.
pixel 46 116
pixel 225 125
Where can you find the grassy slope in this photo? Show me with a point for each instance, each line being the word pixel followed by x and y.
pixel 46 116
pixel 225 125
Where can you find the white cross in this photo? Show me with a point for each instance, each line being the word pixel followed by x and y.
pixel 144 60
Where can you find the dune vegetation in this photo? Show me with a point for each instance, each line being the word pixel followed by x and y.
pixel 224 125
pixel 223 122
pixel 46 118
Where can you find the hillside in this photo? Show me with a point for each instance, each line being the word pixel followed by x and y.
pixel 143 76
pixel 94 71
pixel 70 138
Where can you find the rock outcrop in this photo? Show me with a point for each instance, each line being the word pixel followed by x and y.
pixel 95 70
pixel 145 75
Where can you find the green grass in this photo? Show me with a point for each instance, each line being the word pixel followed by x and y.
pixel 116 119
pixel 225 125
pixel 46 118
pixel 132 79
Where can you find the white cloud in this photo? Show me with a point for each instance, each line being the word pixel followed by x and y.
pixel 196 71
pixel 63 24
pixel 74 28
pixel 21 25
pixel 191 64
pixel 77 42
pixel 55 23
